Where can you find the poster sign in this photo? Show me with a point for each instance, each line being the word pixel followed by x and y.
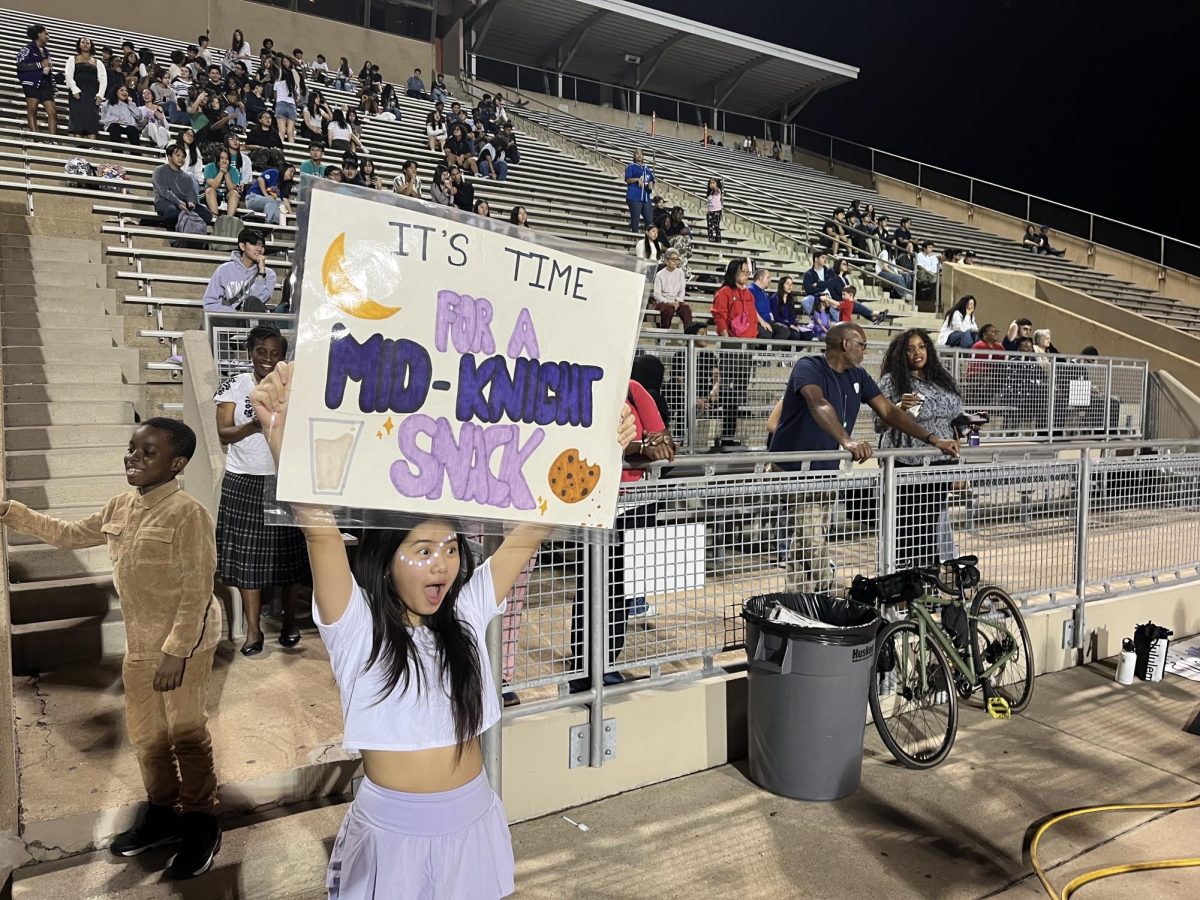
pixel 446 365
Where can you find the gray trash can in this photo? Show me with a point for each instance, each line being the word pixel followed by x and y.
pixel 807 688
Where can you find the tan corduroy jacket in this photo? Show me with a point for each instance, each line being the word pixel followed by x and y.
pixel 164 555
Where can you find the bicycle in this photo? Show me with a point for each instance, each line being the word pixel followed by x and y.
pixel 922 668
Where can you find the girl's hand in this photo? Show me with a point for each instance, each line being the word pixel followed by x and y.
pixel 270 401
pixel 626 427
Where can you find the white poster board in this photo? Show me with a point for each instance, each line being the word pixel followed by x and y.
pixel 446 365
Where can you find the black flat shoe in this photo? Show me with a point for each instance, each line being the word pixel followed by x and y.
pixel 290 638
pixel 253 649
pixel 511 699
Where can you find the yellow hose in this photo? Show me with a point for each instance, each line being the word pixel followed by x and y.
pixel 1095 875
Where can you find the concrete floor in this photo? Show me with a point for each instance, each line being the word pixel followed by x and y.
pixel 955 832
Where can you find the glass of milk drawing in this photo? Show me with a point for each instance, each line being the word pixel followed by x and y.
pixel 332 446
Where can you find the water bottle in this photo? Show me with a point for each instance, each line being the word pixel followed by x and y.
pixel 973 437
pixel 1127 662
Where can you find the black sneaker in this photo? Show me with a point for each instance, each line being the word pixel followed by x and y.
pixel 201 841
pixel 159 825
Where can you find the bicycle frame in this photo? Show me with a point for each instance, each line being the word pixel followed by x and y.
pixel 919 609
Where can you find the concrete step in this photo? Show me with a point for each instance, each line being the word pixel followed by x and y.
pixel 43 645
pixel 65 266
pixel 281 858
pixel 86 301
pixel 41 242
pixel 65 318
pixel 63 598
pixel 80 337
pixel 68 412
pixel 62 373
pixel 40 493
pixel 56 291
pixel 56 392
pixel 127 359
pixel 40 562
pixel 69 276
pixel 82 255
pixel 55 437
pixel 67 513
pixel 22 465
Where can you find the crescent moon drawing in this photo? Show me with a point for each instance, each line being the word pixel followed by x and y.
pixel 342 290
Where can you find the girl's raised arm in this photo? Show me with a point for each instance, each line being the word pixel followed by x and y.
pixel 332 581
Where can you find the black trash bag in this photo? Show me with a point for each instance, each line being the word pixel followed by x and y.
pixel 1144 637
pixel 851 622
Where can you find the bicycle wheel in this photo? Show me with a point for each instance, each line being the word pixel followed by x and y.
pixel 1000 628
pixel 918 724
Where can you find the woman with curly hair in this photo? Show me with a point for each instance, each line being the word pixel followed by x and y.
pixel 914 379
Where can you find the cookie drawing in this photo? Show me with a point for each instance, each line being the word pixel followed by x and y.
pixel 572 478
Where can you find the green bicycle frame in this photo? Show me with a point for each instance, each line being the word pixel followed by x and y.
pixel 919 610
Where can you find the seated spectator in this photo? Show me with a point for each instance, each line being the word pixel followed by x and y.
pixel 1018 330
pixel 221 184
pixel 334 174
pixel 264 195
pixel 356 133
pixel 670 292
pixel 263 134
pixel 841 233
pixel 482 208
pixel 1026 387
pixel 235 107
pixel 1043 242
pixel 351 173
pixel 314 165
pixel 439 92
pixel 1031 241
pixel 989 339
pixel 816 278
pixel 407 183
pixel 245 277
pixel 415 86
pixel 885 270
pixel 435 130
pixel 519 216
pixel 981 378
pixel 959 328
pixel 370 179
pixel 234 138
pixel 175 189
pixel 903 233
pixel 194 161
pixel 649 247
pixel 969 258
pixel 1042 342
pixel 317 117
pixel 320 70
pixel 708 373
pixel 181 84
pixel 928 264
pixel 768 328
pixel 837 277
pixel 460 149
pixel 122 119
pixel 464 191
pixel 824 316
pixel 257 103
pixel 786 311
pixel 456 115
pixel 342 76
pixel 442 189
pixel 492 161
pixel 849 307
pixel 156 129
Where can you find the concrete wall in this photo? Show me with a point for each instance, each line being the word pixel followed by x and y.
pixel 1125 266
pixel 1075 319
pixel 397 56
pixel 204 473
pixel 1175 411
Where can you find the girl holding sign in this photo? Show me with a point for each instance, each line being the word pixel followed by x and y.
pixel 405 631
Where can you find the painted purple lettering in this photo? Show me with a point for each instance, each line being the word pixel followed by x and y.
pixel 512 462
pixel 524 337
pixel 418 473
pixel 550 379
pixel 468 481
pixel 351 361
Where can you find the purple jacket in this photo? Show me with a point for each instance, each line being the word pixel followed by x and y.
pixel 29 65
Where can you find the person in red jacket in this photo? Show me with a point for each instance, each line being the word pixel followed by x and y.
pixel 734 315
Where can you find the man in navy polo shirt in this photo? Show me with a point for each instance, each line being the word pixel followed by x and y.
pixel 817 412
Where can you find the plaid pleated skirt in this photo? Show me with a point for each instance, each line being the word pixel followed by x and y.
pixel 250 553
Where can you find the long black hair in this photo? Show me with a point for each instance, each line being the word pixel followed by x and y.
pixel 731 271
pixel 392 645
pixel 895 364
pixel 960 307
pixel 650 373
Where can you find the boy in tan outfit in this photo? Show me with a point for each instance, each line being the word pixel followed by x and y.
pixel 163 550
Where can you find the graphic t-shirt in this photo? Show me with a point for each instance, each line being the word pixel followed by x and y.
pixel 798 430
pixel 251 455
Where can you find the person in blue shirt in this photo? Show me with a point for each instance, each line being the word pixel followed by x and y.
pixel 767 326
pixel 817 413
pixel 639 193
pixel 415 86
pixel 265 194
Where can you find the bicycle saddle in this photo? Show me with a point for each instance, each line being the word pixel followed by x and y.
pixel 963 562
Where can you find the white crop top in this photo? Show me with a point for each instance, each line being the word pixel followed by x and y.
pixel 406 719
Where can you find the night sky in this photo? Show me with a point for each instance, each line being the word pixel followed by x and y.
pixel 1090 104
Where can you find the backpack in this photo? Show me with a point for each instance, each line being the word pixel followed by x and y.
pixel 226 226
pixel 77 165
pixel 113 172
pixel 189 222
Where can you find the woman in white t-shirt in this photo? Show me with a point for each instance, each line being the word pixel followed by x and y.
pixel 405 627
pixel 288 88
pixel 251 555
pixel 959 328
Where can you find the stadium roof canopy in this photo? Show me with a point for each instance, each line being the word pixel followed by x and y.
pixel 618 43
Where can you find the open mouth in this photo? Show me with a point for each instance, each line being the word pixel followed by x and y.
pixel 131 471
pixel 434 593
